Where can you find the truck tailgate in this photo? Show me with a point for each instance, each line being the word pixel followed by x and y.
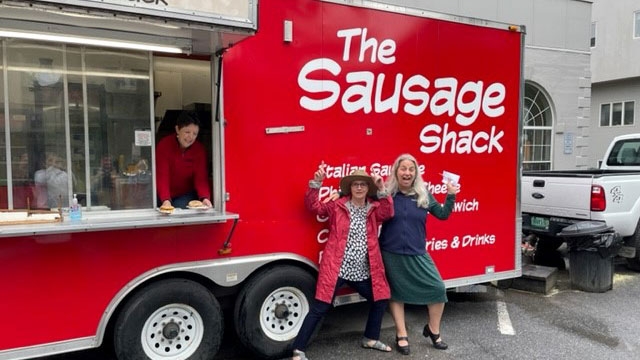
pixel 559 196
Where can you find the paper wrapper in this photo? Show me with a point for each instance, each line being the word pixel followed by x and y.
pixel 450 177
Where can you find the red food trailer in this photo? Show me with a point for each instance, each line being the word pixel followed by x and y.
pixel 353 84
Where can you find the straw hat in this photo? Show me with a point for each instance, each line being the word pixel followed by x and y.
pixel 358 175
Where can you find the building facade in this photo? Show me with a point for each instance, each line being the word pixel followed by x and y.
pixel 557 96
pixel 615 88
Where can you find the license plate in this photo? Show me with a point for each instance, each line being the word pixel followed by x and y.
pixel 540 222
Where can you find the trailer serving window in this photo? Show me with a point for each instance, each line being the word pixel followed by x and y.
pixel 77 120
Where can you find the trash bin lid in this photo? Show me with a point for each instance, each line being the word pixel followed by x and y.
pixel 583 228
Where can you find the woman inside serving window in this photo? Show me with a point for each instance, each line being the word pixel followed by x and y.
pixel 182 165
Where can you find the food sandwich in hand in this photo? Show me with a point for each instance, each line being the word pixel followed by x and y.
pixel 166 209
pixel 195 204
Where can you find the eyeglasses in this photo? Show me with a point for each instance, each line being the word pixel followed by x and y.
pixel 361 184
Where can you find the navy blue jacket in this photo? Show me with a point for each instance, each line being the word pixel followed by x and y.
pixel 405 232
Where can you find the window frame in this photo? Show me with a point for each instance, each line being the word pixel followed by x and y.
pixel 636 24
pixel 543 103
pixel 78 178
pixel 594 34
pixel 623 120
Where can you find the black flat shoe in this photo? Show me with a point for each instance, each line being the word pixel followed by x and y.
pixel 435 338
pixel 404 350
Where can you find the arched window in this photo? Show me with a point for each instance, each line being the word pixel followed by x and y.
pixel 537 129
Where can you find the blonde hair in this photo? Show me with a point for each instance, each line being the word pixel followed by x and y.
pixel 418 187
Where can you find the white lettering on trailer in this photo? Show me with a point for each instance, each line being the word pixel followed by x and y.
pixel 376 168
pixel 436 244
pixel 466 205
pixel 466 241
pixel 383 53
pixel 317 86
pixel 439 188
pixel 380 170
pixel 385 170
pixel 326 191
pixel 341 170
pixel 478 240
pixel 358 96
pixel 436 138
pixel 463 102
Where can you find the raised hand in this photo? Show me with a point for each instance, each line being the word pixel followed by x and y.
pixel 377 179
pixel 320 174
pixel 452 189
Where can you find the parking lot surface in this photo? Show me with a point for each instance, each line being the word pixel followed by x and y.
pixel 487 322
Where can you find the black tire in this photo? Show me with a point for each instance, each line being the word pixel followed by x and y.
pixel 270 309
pixel 193 323
pixel 634 263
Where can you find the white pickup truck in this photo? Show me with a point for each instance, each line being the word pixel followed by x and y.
pixel 554 199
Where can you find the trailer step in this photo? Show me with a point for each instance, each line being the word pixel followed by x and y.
pixel 536 278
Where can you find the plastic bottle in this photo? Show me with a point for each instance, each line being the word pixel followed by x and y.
pixel 75 211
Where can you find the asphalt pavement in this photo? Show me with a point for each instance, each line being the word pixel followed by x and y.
pixel 484 322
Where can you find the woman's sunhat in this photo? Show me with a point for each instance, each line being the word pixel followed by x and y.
pixel 358 175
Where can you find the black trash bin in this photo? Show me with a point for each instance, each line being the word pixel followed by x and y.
pixel 592 247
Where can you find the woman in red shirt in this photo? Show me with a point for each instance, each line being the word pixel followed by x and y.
pixel 182 165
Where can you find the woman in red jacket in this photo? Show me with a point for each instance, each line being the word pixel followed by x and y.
pixel 351 255
pixel 182 165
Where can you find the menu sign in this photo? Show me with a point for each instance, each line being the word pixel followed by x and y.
pixel 241 13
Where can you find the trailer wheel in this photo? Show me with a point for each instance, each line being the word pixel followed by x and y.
pixel 634 263
pixel 169 320
pixel 271 307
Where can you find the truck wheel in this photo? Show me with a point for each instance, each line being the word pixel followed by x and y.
pixel 271 307
pixel 170 320
pixel 634 263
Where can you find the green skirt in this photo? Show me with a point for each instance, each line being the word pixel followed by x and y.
pixel 414 279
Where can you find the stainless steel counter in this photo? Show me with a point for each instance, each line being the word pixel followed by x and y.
pixel 117 220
